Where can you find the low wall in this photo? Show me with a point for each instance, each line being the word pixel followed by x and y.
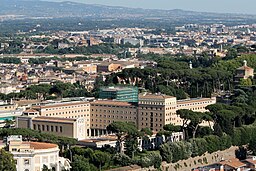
pixel 206 159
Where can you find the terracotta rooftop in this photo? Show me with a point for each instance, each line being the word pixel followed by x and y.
pixel 110 102
pixel 41 145
pixel 234 163
pixel 251 161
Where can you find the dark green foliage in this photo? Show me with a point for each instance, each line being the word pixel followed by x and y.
pixel 100 158
pixel 80 163
pixel 241 153
pixel 29 134
pixel 10 60
pixel 7 161
pixel 152 158
pixel 173 152
pixel 125 131
pixel 121 159
pixel 45 91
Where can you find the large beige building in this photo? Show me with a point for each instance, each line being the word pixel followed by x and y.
pixel 197 105
pixel 104 112
pixel 155 111
pixel 152 111
pixel 69 110
pixel 73 128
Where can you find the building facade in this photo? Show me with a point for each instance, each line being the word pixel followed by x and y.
pixel 104 112
pixel 72 128
pixel 152 111
pixel 244 72
pixel 70 110
pixel 155 111
pixel 126 94
pixel 32 156
pixel 8 111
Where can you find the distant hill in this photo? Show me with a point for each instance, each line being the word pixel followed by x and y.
pixel 36 8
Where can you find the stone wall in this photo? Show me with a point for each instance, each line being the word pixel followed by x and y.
pixel 206 159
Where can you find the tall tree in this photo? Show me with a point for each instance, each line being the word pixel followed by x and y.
pixel 80 163
pixel 122 129
pixel 100 158
pixel 7 161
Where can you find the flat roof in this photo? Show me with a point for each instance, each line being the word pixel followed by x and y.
pixel 194 100
pixel 59 104
pixel 111 102
pixel 154 96
pixel 116 88
pixel 54 119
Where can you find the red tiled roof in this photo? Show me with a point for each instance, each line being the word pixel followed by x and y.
pixel 234 163
pixel 41 145
pixel 251 161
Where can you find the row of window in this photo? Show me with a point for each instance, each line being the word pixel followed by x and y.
pixel 156 125
pixel 63 113
pixel 130 107
pixel 152 108
pixel 121 117
pixel 160 120
pixel 48 128
pixel 191 104
pixel 66 107
pixel 196 108
pixel 151 114
pixel 151 103
pixel 115 111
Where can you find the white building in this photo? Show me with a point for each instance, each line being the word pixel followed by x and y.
pixel 32 156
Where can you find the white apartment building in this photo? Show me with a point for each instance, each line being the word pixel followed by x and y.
pixel 32 156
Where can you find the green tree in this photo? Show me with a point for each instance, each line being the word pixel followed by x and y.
pixel 100 158
pixel 122 159
pixel 45 168
pixel 7 161
pixel 166 152
pixel 122 129
pixel 245 82
pixel 80 163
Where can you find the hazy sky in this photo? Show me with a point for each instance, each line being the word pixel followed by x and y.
pixel 233 6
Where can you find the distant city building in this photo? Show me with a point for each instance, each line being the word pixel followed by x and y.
pixel 132 41
pixel 108 67
pixel 126 94
pixel 244 72
pixel 8 111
